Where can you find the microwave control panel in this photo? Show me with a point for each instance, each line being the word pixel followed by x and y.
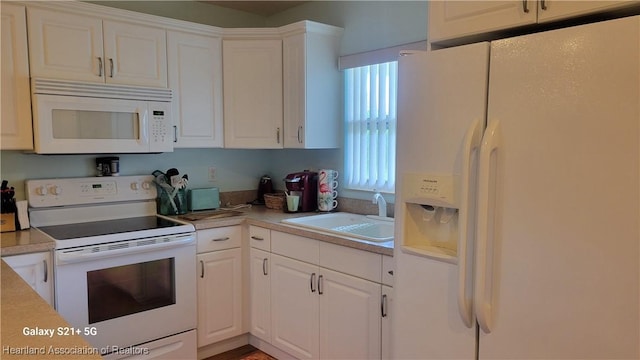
pixel 89 190
pixel 161 136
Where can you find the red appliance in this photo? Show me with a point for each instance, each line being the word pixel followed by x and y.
pixel 305 185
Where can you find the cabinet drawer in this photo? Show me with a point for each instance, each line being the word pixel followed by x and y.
pixel 293 246
pixel 260 238
pixel 351 261
pixel 387 270
pixel 219 238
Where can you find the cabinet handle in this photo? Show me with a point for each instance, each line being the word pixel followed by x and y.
pixel 320 285
pixel 221 239
pixel 278 135
pixel 543 5
pixel 201 269
pixel 111 66
pixel 525 8
pixel 46 271
pixel 99 66
pixel 313 280
pixel 299 130
pixel 264 266
pixel 383 305
pixel 391 272
pixel 257 238
pixel 175 133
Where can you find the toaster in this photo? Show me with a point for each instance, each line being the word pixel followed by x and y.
pixel 203 199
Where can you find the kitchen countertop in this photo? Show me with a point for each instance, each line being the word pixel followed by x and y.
pixel 32 240
pixel 25 241
pixel 271 219
pixel 23 308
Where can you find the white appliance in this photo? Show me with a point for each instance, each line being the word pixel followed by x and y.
pixel 124 276
pixel 520 239
pixel 72 117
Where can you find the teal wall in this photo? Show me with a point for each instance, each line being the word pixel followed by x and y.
pixel 368 25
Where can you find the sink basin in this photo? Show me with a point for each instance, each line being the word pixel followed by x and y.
pixel 366 227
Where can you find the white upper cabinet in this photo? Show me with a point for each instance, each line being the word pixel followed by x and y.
pixel 252 73
pixel 15 102
pixel 312 87
pixel 195 76
pixel 457 19
pixel 79 47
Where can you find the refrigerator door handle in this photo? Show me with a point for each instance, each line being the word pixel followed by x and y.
pixel 483 289
pixel 472 141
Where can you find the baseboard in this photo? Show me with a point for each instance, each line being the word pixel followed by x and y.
pixel 222 346
pixel 269 349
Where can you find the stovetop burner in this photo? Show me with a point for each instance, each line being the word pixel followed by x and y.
pixel 106 227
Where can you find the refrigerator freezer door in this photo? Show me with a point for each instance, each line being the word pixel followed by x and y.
pixel 442 94
pixel 562 266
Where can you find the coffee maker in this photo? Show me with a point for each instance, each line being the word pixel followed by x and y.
pixel 305 185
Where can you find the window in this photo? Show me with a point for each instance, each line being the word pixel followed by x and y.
pixel 370 129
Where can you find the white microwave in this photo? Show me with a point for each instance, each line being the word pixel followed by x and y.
pixel 85 118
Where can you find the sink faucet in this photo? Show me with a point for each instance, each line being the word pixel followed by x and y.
pixel 382 204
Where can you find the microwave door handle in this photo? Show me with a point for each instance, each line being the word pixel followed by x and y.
pixel 143 113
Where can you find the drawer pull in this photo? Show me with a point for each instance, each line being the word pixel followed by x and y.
pixel 46 271
pixel 221 239
pixel 264 266
pixel 201 269
pixel 257 238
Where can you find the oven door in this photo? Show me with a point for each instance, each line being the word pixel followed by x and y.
pixel 129 292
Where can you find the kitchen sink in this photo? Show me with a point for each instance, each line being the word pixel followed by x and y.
pixel 366 227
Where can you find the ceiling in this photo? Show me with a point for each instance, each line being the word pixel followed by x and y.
pixel 261 7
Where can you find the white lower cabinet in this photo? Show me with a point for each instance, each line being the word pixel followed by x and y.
pixel 350 317
pixel 326 300
pixel 37 270
pixel 219 261
pixel 295 307
pixel 260 290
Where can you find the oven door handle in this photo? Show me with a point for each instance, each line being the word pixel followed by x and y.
pixel 89 253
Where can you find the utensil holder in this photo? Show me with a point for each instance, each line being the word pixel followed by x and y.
pixel 166 207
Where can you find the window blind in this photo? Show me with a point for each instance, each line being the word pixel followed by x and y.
pixel 370 115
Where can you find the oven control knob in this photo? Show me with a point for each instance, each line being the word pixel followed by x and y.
pixel 41 190
pixel 55 190
pixel 146 185
pixel 134 186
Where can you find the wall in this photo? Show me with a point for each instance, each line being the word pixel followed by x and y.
pixel 368 25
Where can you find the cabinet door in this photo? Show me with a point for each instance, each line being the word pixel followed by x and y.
pixel 135 55
pixel 350 317
pixel 550 10
pixel 195 76
pixel 219 295
pixel 65 46
pixel 455 19
pixel 16 130
pixel 294 307
pixel 295 92
pixel 252 71
pixel 312 106
pixel 36 269
pixel 260 290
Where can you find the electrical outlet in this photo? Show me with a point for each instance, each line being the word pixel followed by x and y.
pixel 212 174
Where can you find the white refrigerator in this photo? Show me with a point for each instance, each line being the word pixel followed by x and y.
pixel 518 201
